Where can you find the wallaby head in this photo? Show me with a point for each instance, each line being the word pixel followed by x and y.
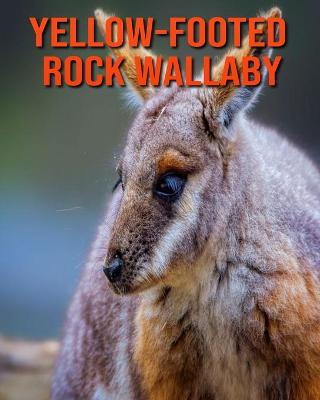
pixel 172 174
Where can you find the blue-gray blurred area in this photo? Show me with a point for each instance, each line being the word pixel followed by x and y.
pixel 58 146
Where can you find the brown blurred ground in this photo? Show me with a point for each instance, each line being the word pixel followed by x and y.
pixel 25 369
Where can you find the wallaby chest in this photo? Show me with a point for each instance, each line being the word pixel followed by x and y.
pixel 196 355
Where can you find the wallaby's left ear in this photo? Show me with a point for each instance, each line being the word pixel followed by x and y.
pixel 223 103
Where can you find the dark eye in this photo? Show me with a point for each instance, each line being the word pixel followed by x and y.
pixel 170 186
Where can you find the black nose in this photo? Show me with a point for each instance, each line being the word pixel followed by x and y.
pixel 113 269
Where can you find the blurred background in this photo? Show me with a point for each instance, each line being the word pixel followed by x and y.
pixel 58 145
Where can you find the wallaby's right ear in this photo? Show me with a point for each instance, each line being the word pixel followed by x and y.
pixel 142 93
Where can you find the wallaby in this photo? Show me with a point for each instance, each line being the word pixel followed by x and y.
pixel 214 232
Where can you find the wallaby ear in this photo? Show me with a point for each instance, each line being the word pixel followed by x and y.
pixel 223 103
pixel 141 93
